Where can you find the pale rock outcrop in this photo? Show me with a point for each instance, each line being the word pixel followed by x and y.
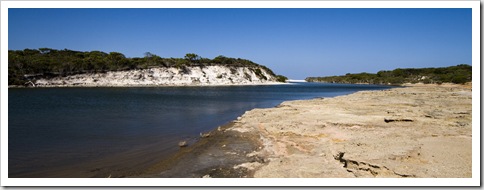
pixel 166 76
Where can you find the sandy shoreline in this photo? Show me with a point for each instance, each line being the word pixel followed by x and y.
pixel 418 131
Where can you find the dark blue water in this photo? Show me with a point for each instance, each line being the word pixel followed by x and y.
pixel 82 132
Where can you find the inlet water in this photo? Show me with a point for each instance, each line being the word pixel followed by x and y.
pixel 97 132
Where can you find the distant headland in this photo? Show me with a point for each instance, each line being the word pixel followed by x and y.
pixel 459 74
pixel 45 67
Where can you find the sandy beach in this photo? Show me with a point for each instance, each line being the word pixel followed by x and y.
pixel 420 131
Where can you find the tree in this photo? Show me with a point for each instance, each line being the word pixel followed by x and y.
pixel 116 61
pixel 223 60
pixel 97 60
pixel 151 60
pixel 191 57
pixel 148 55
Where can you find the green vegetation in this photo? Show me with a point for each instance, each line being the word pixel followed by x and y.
pixel 45 62
pixel 459 74
pixel 281 78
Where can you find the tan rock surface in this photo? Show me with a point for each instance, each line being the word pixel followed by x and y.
pixel 416 131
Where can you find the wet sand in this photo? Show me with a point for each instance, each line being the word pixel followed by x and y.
pixel 418 131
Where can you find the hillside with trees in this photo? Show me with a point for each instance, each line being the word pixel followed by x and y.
pixel 459 74
pixel 47 63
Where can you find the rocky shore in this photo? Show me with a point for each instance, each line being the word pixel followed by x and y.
pixel 419 131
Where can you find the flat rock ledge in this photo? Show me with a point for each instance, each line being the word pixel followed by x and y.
pixel 419 131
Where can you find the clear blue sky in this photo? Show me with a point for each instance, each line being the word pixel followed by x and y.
pixel 293 42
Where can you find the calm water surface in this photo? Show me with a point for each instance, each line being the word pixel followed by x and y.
pixel 94 132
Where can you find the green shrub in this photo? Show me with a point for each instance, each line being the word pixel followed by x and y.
pixel 281 78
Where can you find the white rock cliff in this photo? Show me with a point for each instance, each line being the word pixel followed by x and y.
pixel 166 76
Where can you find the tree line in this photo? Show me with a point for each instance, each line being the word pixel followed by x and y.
pixel 47 62
pixel 459 74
